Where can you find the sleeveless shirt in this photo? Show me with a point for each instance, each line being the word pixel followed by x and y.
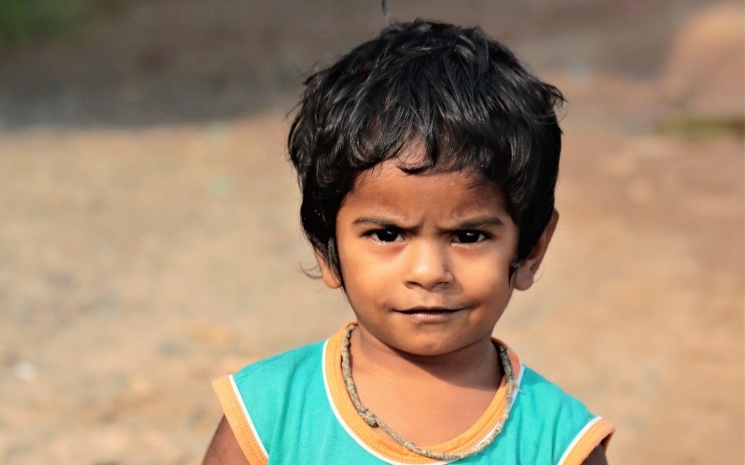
pixel 294 408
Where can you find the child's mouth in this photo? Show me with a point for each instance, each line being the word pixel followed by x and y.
pixel 429 310
pixel 430 313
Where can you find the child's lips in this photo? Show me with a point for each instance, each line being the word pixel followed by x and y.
pixel 430 314
pixel 429 310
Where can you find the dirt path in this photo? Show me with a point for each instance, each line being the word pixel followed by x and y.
pixel 140 261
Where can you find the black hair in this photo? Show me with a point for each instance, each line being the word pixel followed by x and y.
pixel 463 95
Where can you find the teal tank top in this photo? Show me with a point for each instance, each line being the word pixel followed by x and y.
pixel 294 409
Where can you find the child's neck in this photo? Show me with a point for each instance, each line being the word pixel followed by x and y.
pixel 426 400
pixel 475 366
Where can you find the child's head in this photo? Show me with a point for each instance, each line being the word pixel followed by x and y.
pixel 461 96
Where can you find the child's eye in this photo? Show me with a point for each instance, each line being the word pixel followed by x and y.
pixel 468 237
pixel 386 235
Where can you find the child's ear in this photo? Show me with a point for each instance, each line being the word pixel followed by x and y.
pixel 328 275
pixel 525 274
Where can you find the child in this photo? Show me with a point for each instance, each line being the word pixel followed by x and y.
pixel 427 159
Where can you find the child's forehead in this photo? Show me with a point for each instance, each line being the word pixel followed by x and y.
pixel 443 199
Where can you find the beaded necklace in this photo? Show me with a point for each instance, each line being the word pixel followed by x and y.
pixel 372 420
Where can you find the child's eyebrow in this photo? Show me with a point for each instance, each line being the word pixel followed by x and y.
pixel 481 222
pixel 376 221
pixel 469 224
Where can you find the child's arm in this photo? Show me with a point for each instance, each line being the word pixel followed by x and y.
pixel 224 448
pixel 596 457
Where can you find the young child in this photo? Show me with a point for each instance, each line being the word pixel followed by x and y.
pixel 427 159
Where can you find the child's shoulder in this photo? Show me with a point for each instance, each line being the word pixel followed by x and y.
pixel 283 364
pixel 265 379
pixel 552 416
pixel 534 388
pixel 538 389
pixel 258 400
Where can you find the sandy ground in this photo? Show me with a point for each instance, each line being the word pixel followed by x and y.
pixel 145 252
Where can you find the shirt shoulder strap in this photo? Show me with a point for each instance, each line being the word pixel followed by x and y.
pixel 254 399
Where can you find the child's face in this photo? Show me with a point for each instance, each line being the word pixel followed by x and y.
pixel 426 259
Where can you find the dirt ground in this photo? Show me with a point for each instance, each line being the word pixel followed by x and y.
pixel 150 238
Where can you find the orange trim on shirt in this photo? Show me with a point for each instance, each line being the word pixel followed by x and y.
pixel 598 434
pixel 475 434
pixel 233 411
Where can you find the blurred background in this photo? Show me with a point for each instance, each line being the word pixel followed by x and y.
pixel 149 234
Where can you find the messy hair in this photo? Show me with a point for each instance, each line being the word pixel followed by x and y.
pixel 464 96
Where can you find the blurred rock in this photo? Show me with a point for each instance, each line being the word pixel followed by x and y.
pixel 704 73
pixel 25 371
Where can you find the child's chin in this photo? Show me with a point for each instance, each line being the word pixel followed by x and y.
pixel 431 349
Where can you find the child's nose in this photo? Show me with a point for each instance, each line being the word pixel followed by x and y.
pixel 427 266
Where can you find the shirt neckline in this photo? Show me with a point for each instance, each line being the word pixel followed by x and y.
pixel 362 433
